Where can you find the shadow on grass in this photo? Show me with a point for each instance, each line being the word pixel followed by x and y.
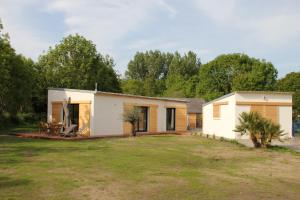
pixel 26 128
pixel 14 150
pixel 6 182
pixel 282 149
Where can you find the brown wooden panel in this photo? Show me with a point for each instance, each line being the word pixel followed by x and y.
pixel 153 119
pixel 127 128
pixel 258 108
pixel 180 120
pixel 271 112
pixel 216 111
pixel 249 103
pixel 84 118
pixel 192 120
pixel 73 102
pixel 221 103
pixel 56 111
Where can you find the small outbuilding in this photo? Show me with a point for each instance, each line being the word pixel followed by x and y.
pixel 221 115
pixel 97 113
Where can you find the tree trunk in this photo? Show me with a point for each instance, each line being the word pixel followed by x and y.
pixel 255 141
pixel 133 130
pixel 263 142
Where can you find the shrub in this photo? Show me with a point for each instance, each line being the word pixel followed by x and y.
pixel 260 129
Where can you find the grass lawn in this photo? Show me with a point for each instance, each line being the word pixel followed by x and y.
pixel 151 167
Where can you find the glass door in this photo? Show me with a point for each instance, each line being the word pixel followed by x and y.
pixel 142 124
pixel 74 113
pixel 171 119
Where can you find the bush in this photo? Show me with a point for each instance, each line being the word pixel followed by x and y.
pixel 260 129
pixel 5 119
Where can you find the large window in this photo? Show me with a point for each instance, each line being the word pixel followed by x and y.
pixel 171 119
pixel 142 124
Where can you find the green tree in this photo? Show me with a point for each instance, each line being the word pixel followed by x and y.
pixel 291 83
pixel 162 74
pixel 232 72
pixel 150 69
pixel 181 79
pixel 132 86
pixel 75 63
pixel 6 58
pixel 16 75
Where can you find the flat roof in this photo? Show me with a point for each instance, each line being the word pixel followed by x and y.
pixel 248 92
pixel 119 94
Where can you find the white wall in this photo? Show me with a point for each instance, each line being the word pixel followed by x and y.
pixel 223 126
pixel 263 97
pixel 109 110
pixel 286 121
pixel 61 95
pixel 238 111
pixel 284 112
pixel 229 114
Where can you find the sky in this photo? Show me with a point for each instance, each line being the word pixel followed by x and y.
pixel 264 29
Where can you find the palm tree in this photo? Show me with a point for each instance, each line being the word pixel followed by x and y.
pixel 270 130
pixel 260 129
pixel 250 123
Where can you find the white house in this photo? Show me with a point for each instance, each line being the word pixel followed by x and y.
pixel 100 113
pixel 220 116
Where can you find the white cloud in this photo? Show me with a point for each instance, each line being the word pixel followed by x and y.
pixel 171 10
pixel 219 10
pixel 274 28
pixel 104 22
pixel 277 30
pixel 151 44
pixel 24 38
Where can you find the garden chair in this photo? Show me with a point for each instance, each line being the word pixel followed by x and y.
pixel 55 129
pixel 43 127
pixel 70 131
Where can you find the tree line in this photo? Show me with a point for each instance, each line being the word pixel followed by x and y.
pixel 75 63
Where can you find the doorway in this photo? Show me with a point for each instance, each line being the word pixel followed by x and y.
pixel 170 118
pixel 74 113
pixel 142 124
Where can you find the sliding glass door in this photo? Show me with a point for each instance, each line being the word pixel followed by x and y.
pixel 142 124
pixel 171 119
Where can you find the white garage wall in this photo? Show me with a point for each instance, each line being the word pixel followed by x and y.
pixel 284 112
pixel 238 111
pixel 285 120
pixel 224 126
pixel 229 115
